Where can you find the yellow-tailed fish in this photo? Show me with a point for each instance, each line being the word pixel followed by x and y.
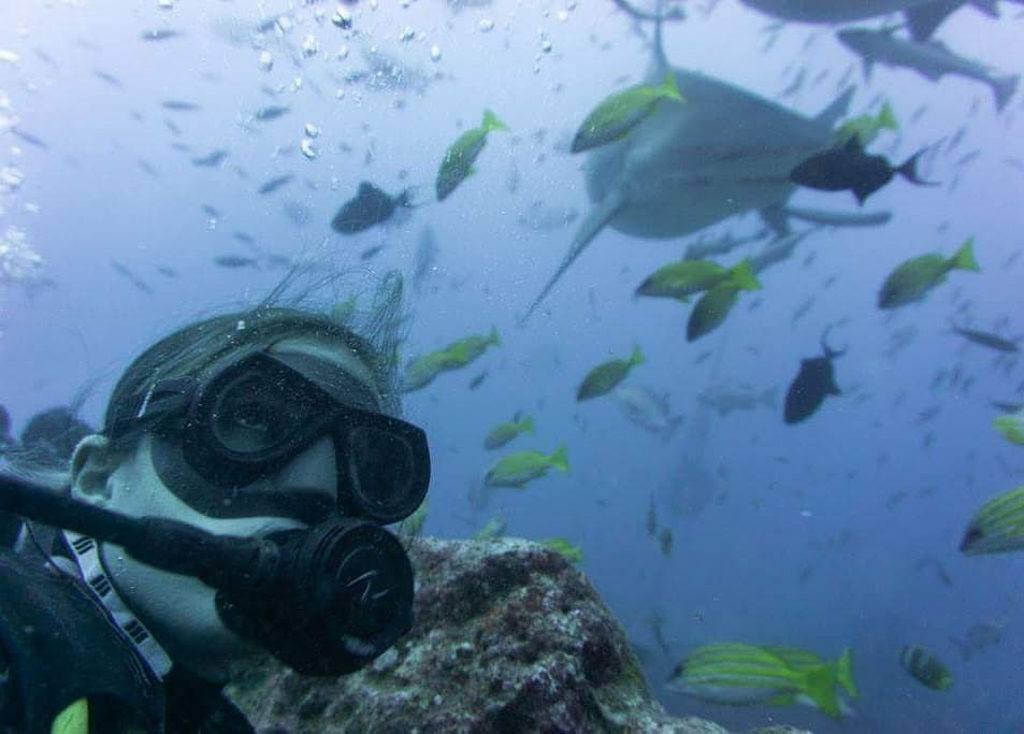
pixel 519 469
pixel 867 127
pixel 505 432
pixel 926 668
pixel 571 553
pixel 420 371
pixel 1011 426
pixel 682 279
pixel 619 113
pixel 998 526
pixel 457 164
pixel 607 375
pixel 912 280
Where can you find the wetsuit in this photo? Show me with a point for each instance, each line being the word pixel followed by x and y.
pixel 74 660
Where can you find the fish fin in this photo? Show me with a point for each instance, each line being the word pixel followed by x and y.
pixel 863 192
pixel 963 259
pixel 908 169
pixel 637 357
pixel 922 20
pixel 887 119
pixel 671 87
pixel 1003 88
pixel 844 672
pixel 560 459
pixel 836 109
pixel 491 122
pixel 528 426
pixel 742 276
pixel 589 229
pixel 820 685
pixel 833 389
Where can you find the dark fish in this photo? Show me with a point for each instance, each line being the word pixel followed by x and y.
pixel 29 138
pixel 986 339
pixel 108 78
pixel 272 112
pixel 166 271
pixel 665 541
pixel 235 261
pixel 175 130
pixel 1006 406
pixel 274 184
pixel 478 380
pixel 813 383
pixel 651 520
pixel 370 207
pixel 243 237
pixel 136 281
pixel 163 34
pixel 148 168
pixel 211 211
pixel 370 252
pixel 179 105
pixel 849 168
pixel 213 159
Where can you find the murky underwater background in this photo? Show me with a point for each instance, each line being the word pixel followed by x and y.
pixel 839 531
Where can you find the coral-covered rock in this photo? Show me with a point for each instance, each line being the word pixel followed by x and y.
pixel 509 637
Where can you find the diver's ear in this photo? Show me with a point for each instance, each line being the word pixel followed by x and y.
pixel 91 466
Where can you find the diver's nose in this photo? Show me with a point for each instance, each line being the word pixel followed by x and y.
pixel 314 471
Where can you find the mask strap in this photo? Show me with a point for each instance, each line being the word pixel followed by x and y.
pixel 85 552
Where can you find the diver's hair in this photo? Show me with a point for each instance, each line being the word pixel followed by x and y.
pixel 186 352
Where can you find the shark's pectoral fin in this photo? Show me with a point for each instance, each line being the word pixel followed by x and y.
pixel 922 20
pixel 592 224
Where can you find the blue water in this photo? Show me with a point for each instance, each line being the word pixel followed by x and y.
pixel 783 534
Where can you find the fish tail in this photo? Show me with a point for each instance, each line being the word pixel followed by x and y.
pixel 820 686
pixel 908 169
pixel 560 459
pixel 637 357
pixel 491 122
pixel 886 118
pixel 844 672
pixel 743 276
pixel 1003 88
pixel 963 259
pixel 527 425
pixel 671 87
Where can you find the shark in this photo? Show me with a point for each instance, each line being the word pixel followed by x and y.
pixel 931 59
pixel 723 152
pixel 922 16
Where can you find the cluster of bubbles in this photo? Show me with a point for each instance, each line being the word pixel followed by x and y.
pixel 19 262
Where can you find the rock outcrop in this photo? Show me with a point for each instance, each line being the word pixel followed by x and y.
pixel 509 637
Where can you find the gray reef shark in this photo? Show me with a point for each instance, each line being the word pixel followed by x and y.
pixel 723 152
pixel 931 59
pixel 923 16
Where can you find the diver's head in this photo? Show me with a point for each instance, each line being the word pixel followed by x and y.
pixel 245 424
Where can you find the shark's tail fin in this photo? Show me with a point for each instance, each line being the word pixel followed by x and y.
pixel 1003 89
pixel 589 229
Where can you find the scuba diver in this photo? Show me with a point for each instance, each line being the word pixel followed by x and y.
pixel 233 504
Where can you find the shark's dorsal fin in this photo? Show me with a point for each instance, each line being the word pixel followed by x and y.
pixel 837 109
pixel 594 222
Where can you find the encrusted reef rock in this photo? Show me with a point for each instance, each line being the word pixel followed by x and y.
pixel 509 637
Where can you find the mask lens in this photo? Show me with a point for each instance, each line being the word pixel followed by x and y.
pixel 250 417
pixel 382 473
